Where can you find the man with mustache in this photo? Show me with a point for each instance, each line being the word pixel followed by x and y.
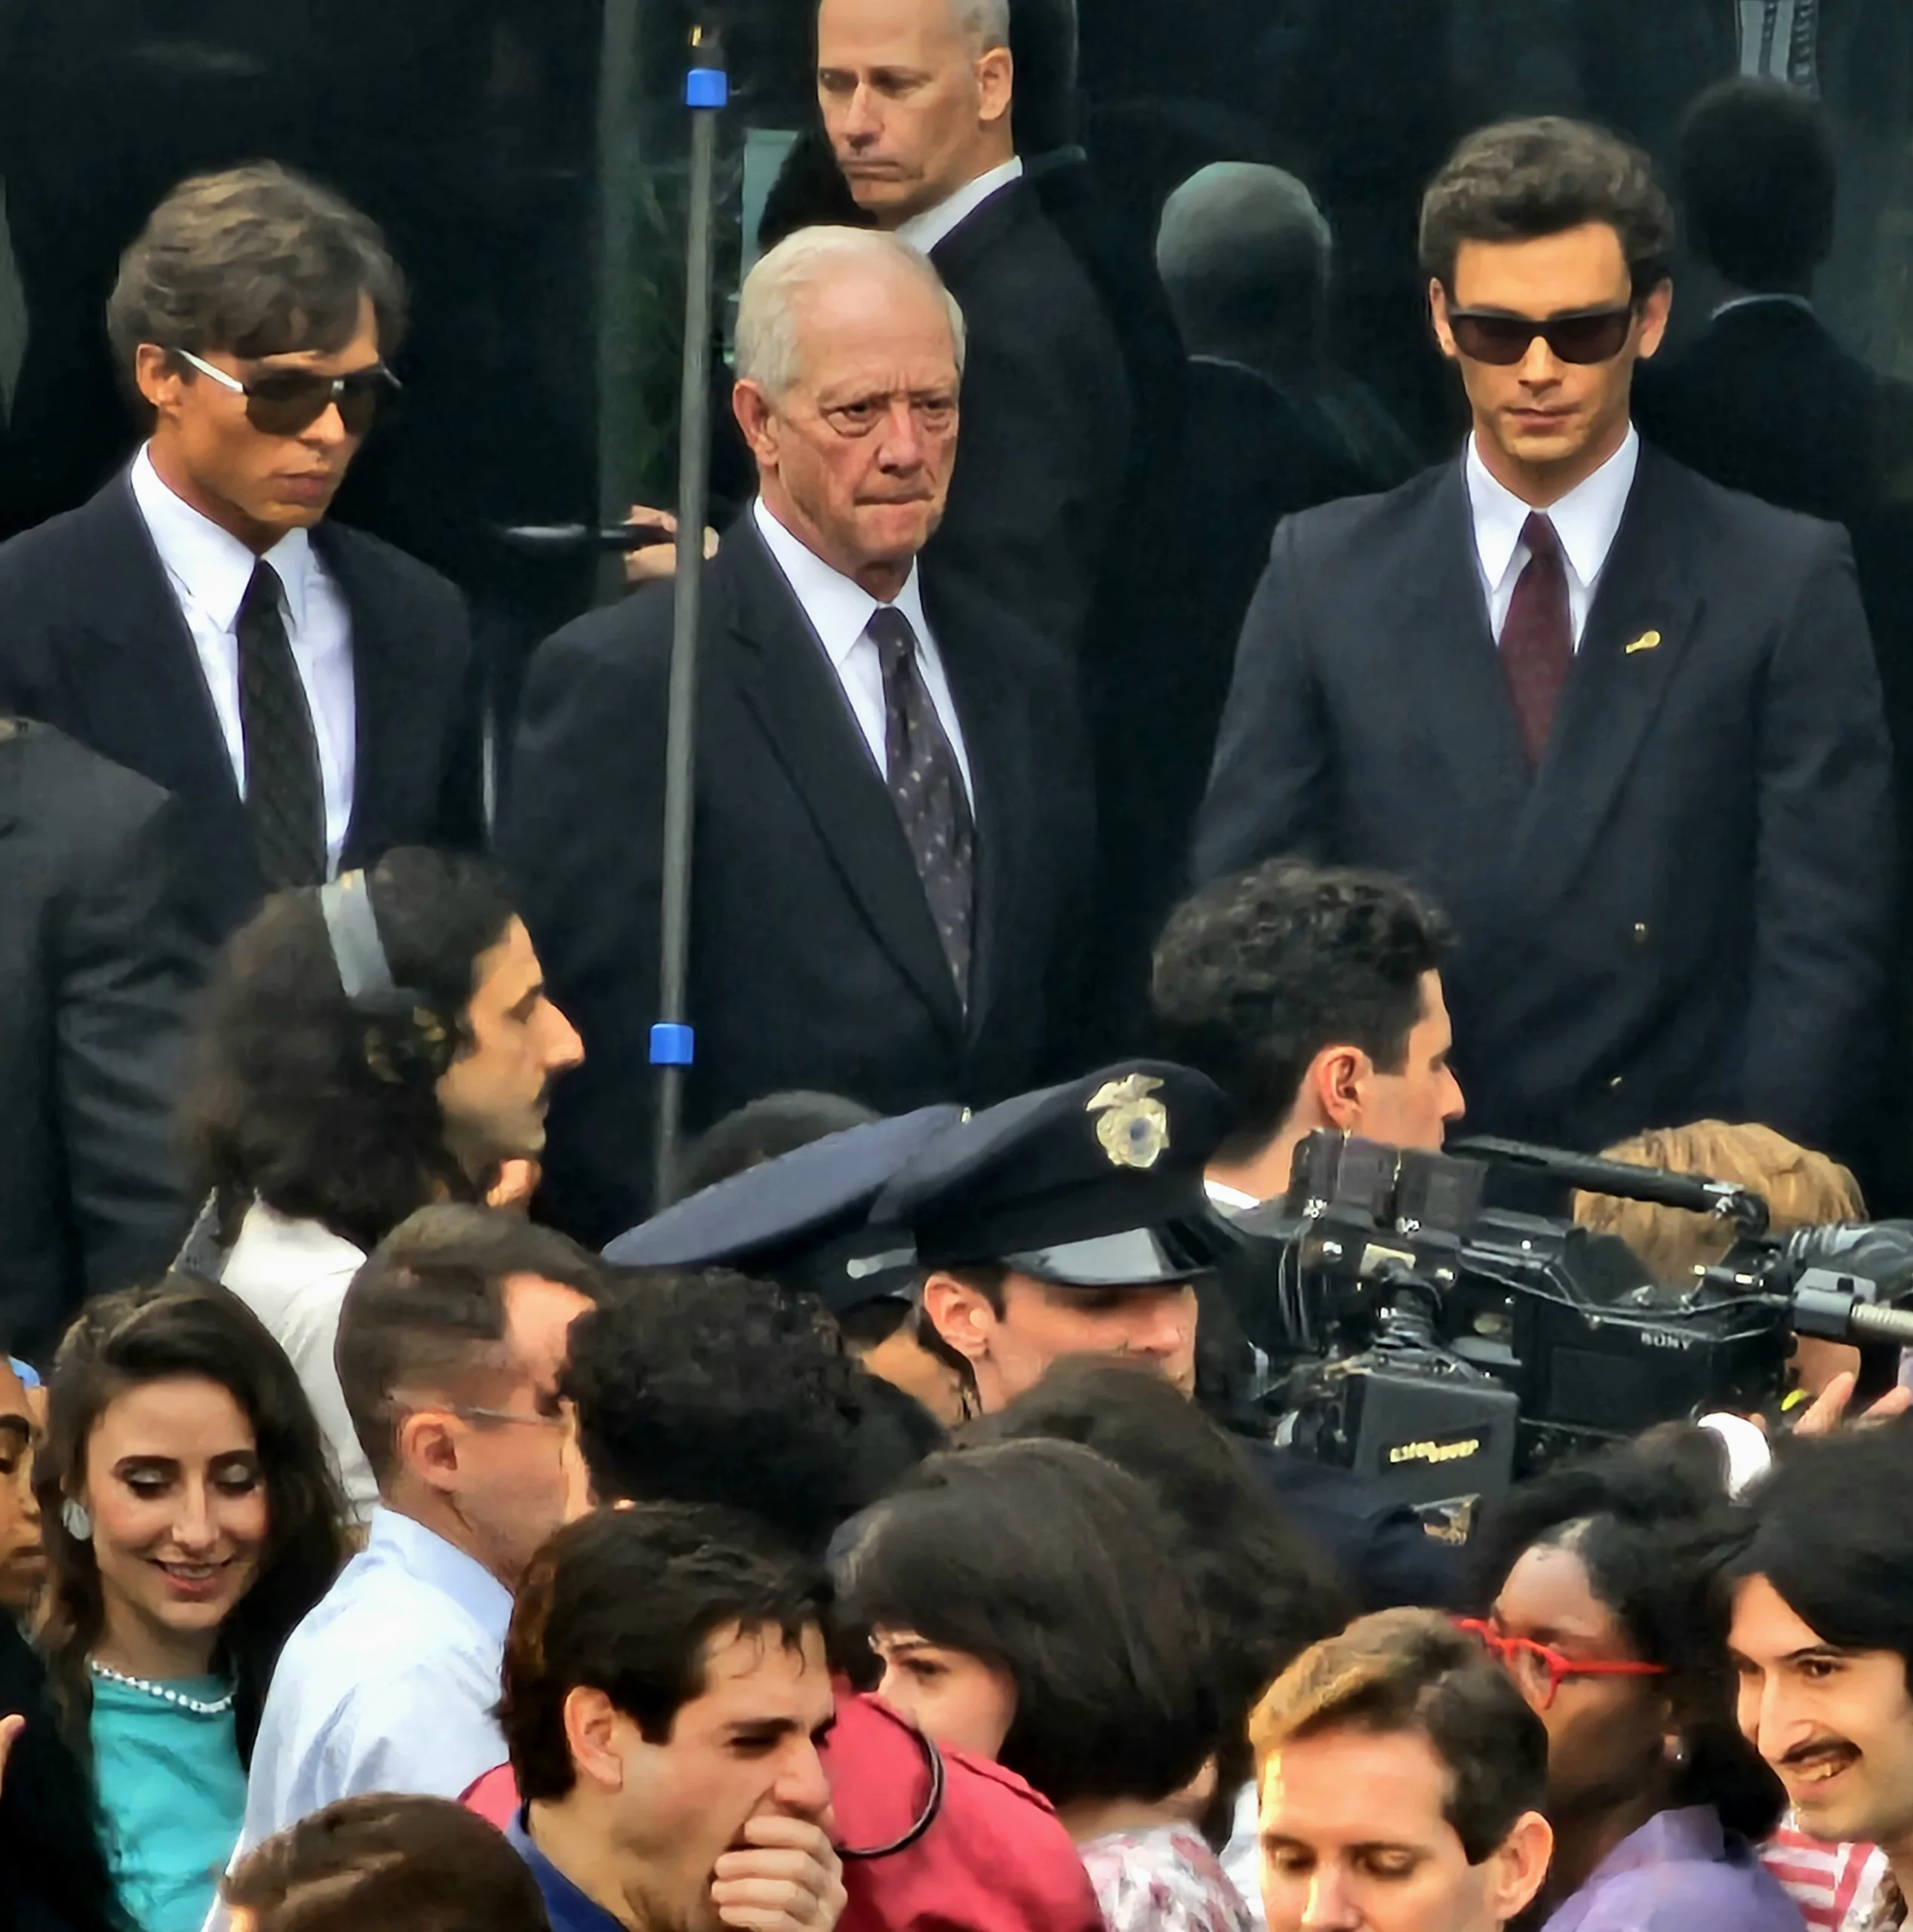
pixel 892 812
pixel 1821 1591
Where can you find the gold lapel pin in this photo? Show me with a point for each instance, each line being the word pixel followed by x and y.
pixel 1646 641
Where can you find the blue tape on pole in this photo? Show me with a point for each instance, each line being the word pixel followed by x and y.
pixel 673 1045
pixel 707 87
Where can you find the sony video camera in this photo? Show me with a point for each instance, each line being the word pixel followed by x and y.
pixel 1443 1349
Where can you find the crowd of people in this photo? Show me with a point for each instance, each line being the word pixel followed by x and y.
pixel 431 1498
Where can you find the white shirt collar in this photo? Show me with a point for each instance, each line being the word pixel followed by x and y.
pixel 1586 520
pixel 1228 1202
pixel 838 607
pixel 934 225
pixel 209 565
pixel 1751 301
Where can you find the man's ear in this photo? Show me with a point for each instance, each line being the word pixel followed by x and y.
pixel 1517 1865
pixel 1437 310
pixel 1333 1085
pixel 158 376
pixel 756 420
pixel 961 1315
pixel 591 1732
pixel 428 1444
pixel 995 85
pixel 1654 312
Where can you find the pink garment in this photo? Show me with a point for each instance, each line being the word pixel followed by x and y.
pixel 1166 1880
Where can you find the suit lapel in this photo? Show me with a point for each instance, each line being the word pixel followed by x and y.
pixel 141 685
pixel 1452 668
pixel 379 707
pixel 787 680
pixel 1644 612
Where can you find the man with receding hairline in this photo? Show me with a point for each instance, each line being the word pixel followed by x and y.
pixel 917 98
pixel 892 806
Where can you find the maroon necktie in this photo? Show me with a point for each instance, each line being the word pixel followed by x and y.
pixel 1537 642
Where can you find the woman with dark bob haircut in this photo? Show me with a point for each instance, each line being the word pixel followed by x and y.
pixel 1598 1578
pixel 191 1520
pixel 1027 1601
pixel 1266 1593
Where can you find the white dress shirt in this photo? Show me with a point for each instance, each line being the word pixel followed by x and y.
pixel 294 1275
pixel 1586 520
pixel 209 570
pixel 924 231
pixel 387 1684
pixel 840 610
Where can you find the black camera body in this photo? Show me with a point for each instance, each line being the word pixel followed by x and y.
pixel 1442 1349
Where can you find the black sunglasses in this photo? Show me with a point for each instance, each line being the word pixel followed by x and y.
pixel 1598 335
pixel 284 402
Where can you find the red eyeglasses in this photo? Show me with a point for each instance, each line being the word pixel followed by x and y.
pixel 1539 1670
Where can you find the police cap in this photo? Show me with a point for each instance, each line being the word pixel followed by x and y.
pixel 1095 1184
pixel 802 1220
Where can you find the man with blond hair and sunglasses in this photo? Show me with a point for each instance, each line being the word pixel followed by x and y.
pixel 1624 726
pixel 310 694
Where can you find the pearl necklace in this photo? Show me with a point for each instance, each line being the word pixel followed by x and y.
pixel 200 1707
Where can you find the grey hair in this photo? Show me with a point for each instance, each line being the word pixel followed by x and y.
pixel 768 353
pixel 984 24
pixel 1240 245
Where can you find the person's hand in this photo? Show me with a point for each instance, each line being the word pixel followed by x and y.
pixel 1829 1407
pixel 656 561
pixel 791 1879
pixel 514 1184
pixel 10 1729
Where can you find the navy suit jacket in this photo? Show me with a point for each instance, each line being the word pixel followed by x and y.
pixel 93 642
pixel 1687 910
pixel 814 961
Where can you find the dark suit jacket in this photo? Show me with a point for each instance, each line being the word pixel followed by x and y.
pixel 1687 911
pixel 97 972
pixel 815 962
pixel 92 640
pixel 1046 418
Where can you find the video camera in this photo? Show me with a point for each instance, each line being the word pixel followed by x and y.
pixel 1442 1349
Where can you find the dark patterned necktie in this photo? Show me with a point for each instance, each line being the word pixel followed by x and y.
pixel 926 783
pixel 1537 641
pixel 285 801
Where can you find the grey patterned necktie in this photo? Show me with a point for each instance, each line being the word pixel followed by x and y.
pixel 926 784
pixel 285 801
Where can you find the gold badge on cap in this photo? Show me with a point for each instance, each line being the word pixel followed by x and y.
pixel 1133 1130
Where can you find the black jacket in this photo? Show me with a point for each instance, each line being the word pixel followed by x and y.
pixel 815 963
pixel 1688 911
pixel 92 640
pixel 1040 465
pixel 97 975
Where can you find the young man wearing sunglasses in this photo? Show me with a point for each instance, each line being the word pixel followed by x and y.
pixel 309 694
pixel 1624 726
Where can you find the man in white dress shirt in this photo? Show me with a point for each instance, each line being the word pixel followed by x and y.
pixel 450 1345
pixel 309 692
pixel 916 98
pixel 892 823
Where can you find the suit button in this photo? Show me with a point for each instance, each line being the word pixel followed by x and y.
pixel 1614 1085
pixel 1640 933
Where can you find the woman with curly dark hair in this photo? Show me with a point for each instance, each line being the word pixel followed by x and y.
pixel 319 1122
pixel 191 1520
pixel 1598 1577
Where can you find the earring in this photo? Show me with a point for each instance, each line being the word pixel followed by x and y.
pixel 78 1524
pixel 1677 1753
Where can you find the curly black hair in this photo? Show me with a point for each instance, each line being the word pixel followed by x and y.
pixel 708 1387
pixel 296 1098
pixel 1645 1519
pixel 1256 974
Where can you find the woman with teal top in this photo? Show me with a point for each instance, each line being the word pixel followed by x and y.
pixel 191 1520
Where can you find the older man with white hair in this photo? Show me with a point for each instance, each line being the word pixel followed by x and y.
pixel 892 819
pixel 918 99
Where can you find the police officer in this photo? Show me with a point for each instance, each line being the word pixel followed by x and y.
pixel 803 1220
pixel 1074 1221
